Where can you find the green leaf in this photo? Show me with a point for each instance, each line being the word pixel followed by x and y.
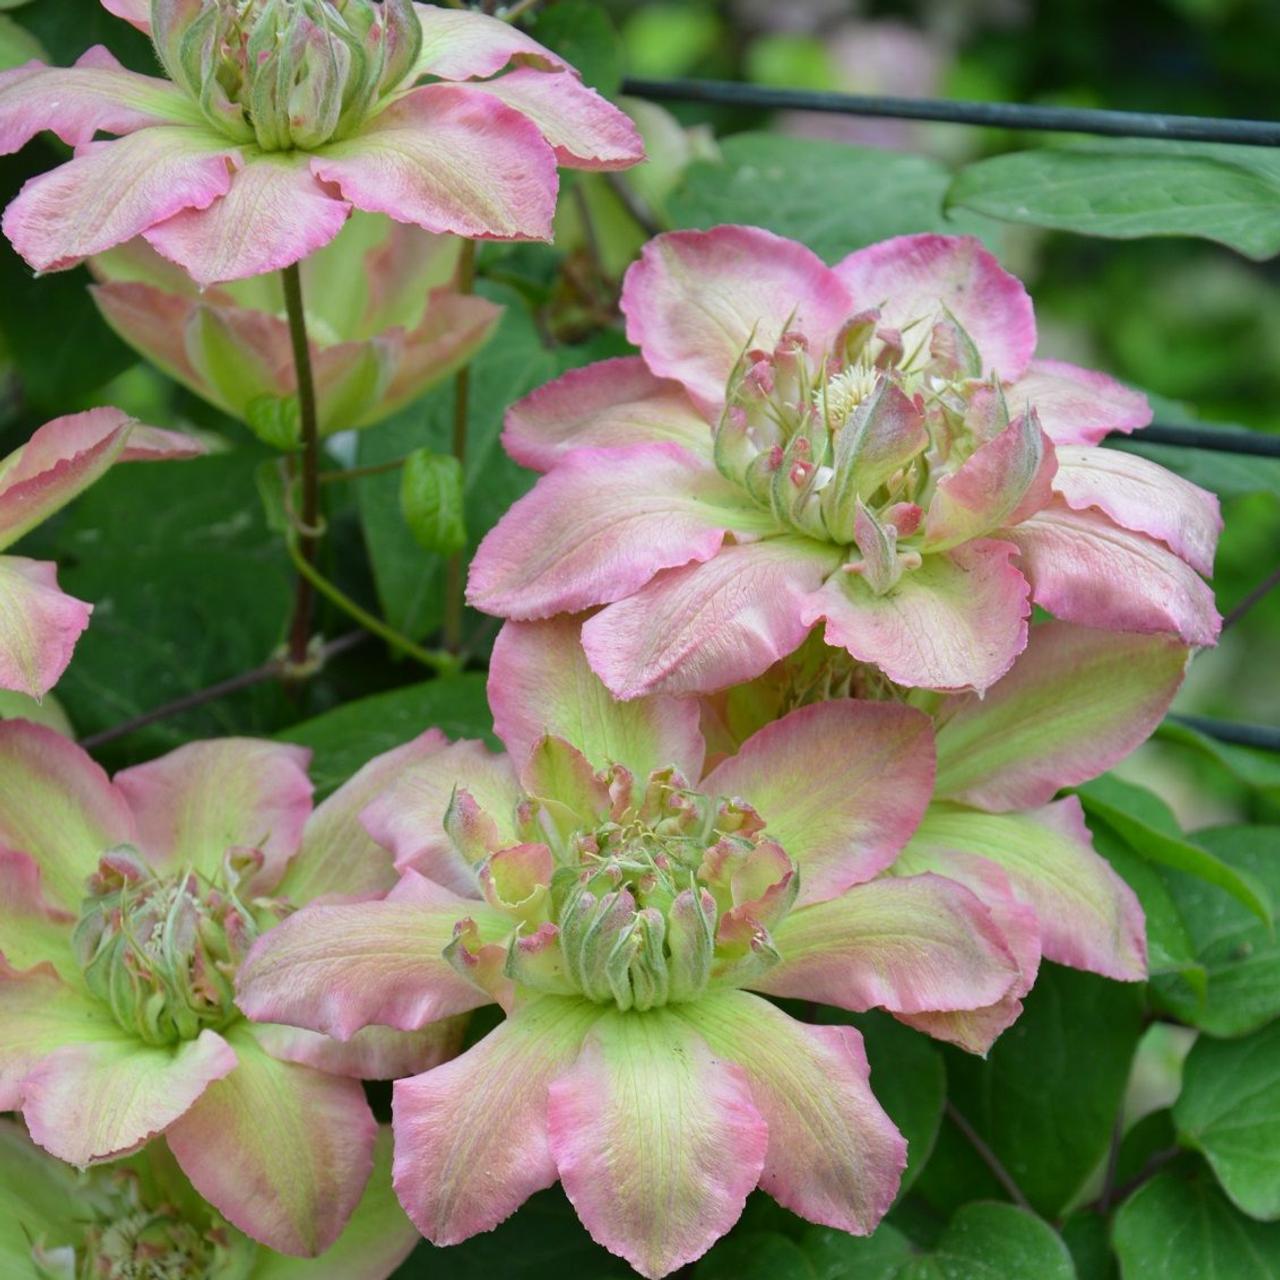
pixel 1257 769
pixel 1229 1109
pixel 431 501
pixel 1126 189
pixel 1240 955
pixel 1184 1229
pixel 17 44
pixel 1045 1100
pixel 276 421
pixel 582 33
pixel 1144 821
pixel 348 736
pixel 1086 1236
pixel 994 1242
pixel 755 1255
pixel 833 197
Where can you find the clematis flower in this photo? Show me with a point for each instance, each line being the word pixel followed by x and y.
pixel 1076 703
pixel 871 447
pixel 622 904
pixel 279 117
pixel 125 907
pixel 140 1219
pixel 39 624
pixel 384 317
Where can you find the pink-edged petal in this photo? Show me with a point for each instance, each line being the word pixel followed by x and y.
pixel 912 278
pixel 274 214
pixel 449 159
pixel 373 1053
pixel 463 44
pixel 540 684
pixel 59 807
pixel 39 625
pixel 910 945
pixel 1088 917
pixel 471 1136
pixel 32 929
pixel 135 12
pixel 599 525
pixel 585 130
pixel 607 405
pixel 1084 568
pixel 408 818
pixel 957 622
pixel 1077 406
pixel 697 299
pixel 657 1142
pixel 113 191
pixel 282 1151
pixel 76 102
pixel 206 799
pixel 840 785
pixel 706 626
pixel 155 444
pixel 154 322
pixel 834 1157
pixel 338 968
pixel 1076 702
pixel 1002 482
pixel 1143 496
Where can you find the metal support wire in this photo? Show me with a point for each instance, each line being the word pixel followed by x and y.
pixel 1262 737
pixel 1218 439
pixel 994 115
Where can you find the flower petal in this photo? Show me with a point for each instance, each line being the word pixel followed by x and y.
pixel 341 967
pixel 154 322
pixel 913 945
pixel 471 1136
pixel 408 817
pixel 32 929
pixel 77 102
pixel 1085 569
pixel 1089 918
pixel 373 1053
pixel 657 1142
pixel 957 622
pixel 283 1152
pixel 39 625
pixel 841 825
pixel 599 526
pixel 198 802
pixel 135 12
pixel 1076 702
pixel 706 626
pixel 464 44
pixel 59 807
pixel 1145 497
pixel 449 159
pixel 274 214
pixel 697 299
pixel 1077 406
pixel 911 278
pixel 113 191
pixel 540 683
pixel 834 1157
pixel 606 405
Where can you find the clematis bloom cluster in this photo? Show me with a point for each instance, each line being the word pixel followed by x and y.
pixel 383 315
pixel 279 117
pixel 40 624
pixel 126 906
pixel 622 903
pixel 870 446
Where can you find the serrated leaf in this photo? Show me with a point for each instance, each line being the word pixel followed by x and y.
pixel 431 501
pixel 276 421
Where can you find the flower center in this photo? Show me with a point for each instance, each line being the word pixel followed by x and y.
pixel 289 74
pixel 162 952
pixel 630 895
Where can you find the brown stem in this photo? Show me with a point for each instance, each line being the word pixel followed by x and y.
pixel 309 534
pixel 455 574
pixel 988 1157
pixel 1264 588
pixel 358 473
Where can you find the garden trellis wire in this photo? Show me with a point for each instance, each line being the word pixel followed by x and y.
pixel 1007 115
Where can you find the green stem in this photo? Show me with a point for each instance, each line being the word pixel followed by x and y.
pixel 309 535
pixel 456 573
pixel 357 473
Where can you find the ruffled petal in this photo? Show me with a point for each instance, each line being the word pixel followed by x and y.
pixel 697 299
pixel 135 12
pixel 463 45
pixel 607 405
pixel 373 1053
pixel 1077 406
pixel 32 929
pixel 657 1142
pixel 39 625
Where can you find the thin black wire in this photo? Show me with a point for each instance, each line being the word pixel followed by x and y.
pixel 1218 439
pixel 1263 737
pixel 996 115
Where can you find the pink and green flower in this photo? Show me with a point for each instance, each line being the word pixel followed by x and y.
pixel 279 117
pixel 40 624
pixel 871 447
pixel 126 906
pixel 623 904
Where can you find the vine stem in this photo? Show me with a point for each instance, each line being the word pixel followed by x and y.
pixel 988 1157
pixel 455 575
pixel 309 531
